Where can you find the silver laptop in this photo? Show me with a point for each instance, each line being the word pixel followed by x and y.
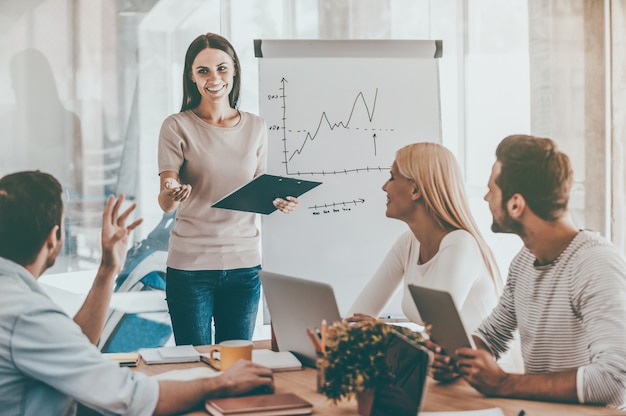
pixel 297 304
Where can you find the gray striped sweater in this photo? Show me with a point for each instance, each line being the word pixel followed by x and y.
pixel 571 314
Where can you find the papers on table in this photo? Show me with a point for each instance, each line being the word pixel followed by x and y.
pixel 69 302
pixel 76 282
pixel 494 411
pixel 129 302
pixel 188 374
pixel 69 290
pixel 169 355
pixel 277 361
pixel 139 301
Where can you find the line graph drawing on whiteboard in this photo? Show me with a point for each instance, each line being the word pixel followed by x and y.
pixel 337 112
pixel 310 136
pixel 343 137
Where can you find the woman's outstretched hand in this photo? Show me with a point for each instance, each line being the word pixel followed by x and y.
pixel 176 191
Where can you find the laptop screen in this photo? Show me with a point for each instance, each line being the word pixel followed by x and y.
pixel 297 304
pixel 409 364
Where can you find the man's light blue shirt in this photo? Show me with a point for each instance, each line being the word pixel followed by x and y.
pixel 47 363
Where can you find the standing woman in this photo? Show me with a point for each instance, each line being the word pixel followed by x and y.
pixel 442 249
pixel 206 151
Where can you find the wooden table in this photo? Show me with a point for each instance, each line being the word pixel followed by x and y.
pixel 449 397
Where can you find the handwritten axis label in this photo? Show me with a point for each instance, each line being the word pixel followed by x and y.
pixel 335 207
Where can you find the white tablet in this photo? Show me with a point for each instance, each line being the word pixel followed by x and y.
pixel 437 309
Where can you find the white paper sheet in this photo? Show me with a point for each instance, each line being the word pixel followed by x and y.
pixel 494 411
pixel 137 302
pixel 188 374
pixel 69 291
pixel 70 302
pixel 76 282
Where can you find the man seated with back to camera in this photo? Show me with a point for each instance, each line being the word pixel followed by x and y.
pixel 565 291
pixel 48 361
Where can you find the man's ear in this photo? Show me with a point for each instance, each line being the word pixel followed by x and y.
pixel 516 205
pixel 54 237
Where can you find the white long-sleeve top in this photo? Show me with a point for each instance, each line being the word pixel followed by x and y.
pixel 458 268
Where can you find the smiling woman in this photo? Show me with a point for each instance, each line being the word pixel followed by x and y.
pixel 443 248
pixel 205 151
pixel 213 73
pixel 212 265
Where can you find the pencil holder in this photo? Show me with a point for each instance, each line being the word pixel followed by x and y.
pixel 320 371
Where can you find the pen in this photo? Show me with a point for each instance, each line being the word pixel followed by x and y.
pixel 324 333
pixel 521 413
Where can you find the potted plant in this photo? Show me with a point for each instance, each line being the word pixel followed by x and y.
pixel 354 363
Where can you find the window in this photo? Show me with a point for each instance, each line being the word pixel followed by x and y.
pixel 84 88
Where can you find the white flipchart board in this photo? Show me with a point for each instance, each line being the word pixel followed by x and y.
pixel 337 111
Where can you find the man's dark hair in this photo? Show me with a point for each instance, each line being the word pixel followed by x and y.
pixel 30 206
pixel 534 168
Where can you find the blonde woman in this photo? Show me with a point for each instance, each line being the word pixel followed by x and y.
pixel 442 249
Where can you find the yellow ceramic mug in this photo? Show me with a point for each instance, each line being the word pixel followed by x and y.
pixel 230 352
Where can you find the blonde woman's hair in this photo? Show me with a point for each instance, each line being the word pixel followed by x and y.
pixel 436 173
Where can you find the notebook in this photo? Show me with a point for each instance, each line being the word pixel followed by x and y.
pixel 169 355
pixel 297 304
pixel 277 361
pixel 260 405
pixel 437 309
pixel 258 194
pixel 124 359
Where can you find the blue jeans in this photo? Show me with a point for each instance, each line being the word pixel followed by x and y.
pixel 228 297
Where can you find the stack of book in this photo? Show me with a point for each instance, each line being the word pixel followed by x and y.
pixel 260 405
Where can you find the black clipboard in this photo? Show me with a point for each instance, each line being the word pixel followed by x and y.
pixel 258 194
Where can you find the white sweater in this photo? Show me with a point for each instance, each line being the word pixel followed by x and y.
pixel 458 268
